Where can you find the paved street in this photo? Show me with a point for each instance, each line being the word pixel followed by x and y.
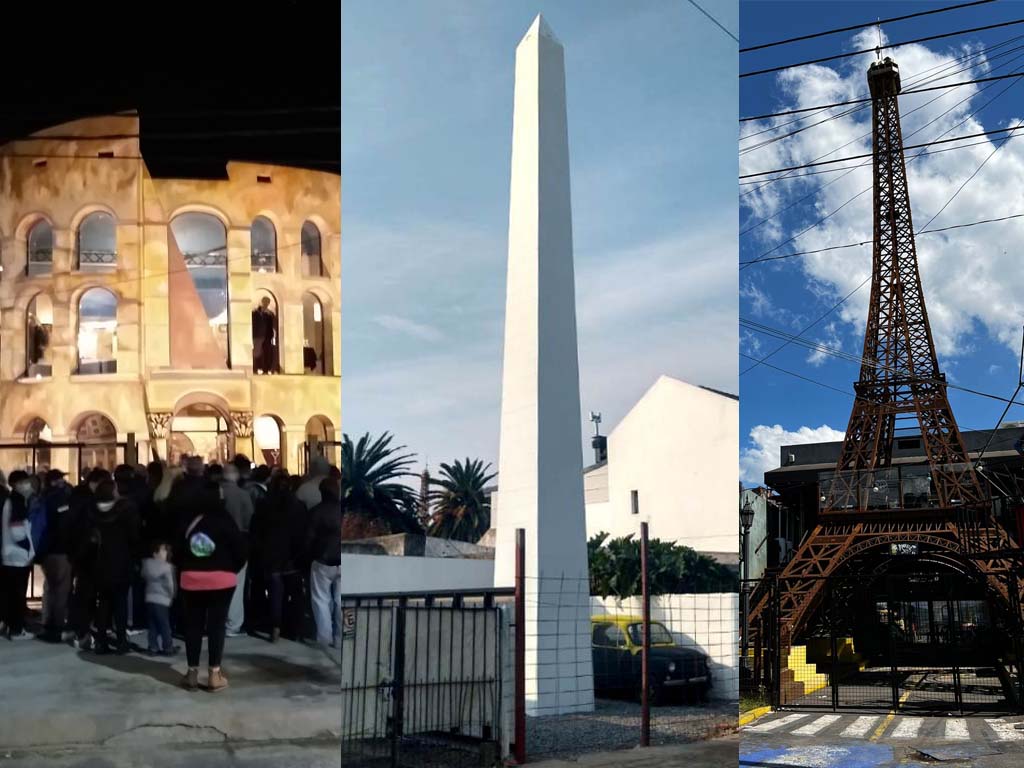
pixel 714 753
pixel 310 754
pixel 282 691
pixel 849 740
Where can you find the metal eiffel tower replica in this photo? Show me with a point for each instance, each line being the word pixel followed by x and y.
pixel 868 503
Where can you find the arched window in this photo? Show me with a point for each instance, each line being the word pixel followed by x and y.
pixel 40 249
pixel 314 345
pixel 38 435
pixel 38 330
pixel 266 433
pixel 198 291
pixel 312 261
pixel 99 438
pixel 263 245
pixel 97 332
pixel 97 243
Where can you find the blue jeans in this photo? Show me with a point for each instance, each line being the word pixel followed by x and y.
pixel 159 627
pixel 324 586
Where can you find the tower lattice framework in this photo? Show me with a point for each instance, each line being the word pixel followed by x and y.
pixel 900 383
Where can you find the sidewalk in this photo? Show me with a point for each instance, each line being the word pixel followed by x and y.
pixel 57 697
pixel 715 753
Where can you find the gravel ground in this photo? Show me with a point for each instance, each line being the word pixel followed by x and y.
pixel 615 724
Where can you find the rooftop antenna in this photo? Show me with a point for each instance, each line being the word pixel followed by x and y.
pixel 878 28
pixel 595 417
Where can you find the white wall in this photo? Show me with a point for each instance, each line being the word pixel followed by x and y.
pixel 372 574
pixel 678 448
pixel 707 622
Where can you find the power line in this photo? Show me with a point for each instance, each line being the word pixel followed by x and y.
pixel 888 46
pixel 868 154
pixel 861 26
pixel 867 100
pixel 912 82
pixel 915 157
pixel 715 21
pixel 849 357
pixel 868 242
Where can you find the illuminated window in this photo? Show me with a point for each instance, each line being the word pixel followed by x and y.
pixel 312 260
pixel 97 332
pixel 263 246
pixel 40 249
pixel 314 346
pixel 97 243
pixel 38 331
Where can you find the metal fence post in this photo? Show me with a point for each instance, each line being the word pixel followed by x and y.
pixel 398 688
pixel 520 648
pixel 645 680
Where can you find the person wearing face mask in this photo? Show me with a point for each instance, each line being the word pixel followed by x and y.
pixel 16 555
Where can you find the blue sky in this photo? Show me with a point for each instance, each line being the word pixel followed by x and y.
pixel 426 141
pixel 973 282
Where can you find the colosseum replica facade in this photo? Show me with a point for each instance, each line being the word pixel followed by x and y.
pixel 146 317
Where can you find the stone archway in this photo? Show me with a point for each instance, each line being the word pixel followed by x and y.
pixel 98 436
pixel 201 425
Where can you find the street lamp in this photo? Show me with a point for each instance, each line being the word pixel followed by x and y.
pixel 746 521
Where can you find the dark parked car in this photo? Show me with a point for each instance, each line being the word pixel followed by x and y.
pixel 617 643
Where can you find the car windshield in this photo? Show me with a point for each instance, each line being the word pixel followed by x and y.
pixel 659 635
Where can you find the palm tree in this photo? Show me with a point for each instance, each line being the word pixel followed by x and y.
pixel 461 509
pixel 371 487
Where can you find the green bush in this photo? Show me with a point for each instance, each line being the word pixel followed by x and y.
pixel 673 569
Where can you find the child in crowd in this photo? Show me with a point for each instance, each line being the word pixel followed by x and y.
pixel 160 588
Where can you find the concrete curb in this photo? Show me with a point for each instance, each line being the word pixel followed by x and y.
pixel 746 718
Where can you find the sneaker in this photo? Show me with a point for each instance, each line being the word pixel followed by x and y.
pixel 234 633
pixel 217 681
pixel 84 643
pixel 66 637
pixel 173 651
pixel 23 635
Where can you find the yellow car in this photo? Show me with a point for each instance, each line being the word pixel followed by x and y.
pixel 617 642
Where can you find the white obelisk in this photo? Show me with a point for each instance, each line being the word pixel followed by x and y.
pixel 541 460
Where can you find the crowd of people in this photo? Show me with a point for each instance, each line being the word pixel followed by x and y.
pixel 191 550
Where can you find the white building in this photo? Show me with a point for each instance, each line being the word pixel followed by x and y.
pixel 671 462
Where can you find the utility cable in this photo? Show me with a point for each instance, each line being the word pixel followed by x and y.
pixel 877 22
pixel 887 46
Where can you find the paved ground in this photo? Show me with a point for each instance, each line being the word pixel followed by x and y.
pixel 615 725
pixel 847 740
pixel 714 753
pixel 307 754
pixel 56 696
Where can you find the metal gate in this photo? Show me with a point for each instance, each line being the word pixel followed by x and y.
pixel 326 448
pixel 39 456
pixel 421 680
pixel 924 643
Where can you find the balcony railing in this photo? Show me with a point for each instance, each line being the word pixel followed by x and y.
pixel 89 261
pixel 264 261
pixel 218 258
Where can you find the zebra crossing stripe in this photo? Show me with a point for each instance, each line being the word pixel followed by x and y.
pixel 776 724
pixel 820 724
pixel 860 727
pixel 1005 731
pixel 956 730
pixel 907 728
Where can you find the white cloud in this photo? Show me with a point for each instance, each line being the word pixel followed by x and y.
pixel 409 327
pixel 763 453
pixel 972 279
pixel 829 339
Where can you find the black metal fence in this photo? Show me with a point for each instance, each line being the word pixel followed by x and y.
pixel 910 642
pixel 423 679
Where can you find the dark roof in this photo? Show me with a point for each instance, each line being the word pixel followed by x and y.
pixel 720 392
